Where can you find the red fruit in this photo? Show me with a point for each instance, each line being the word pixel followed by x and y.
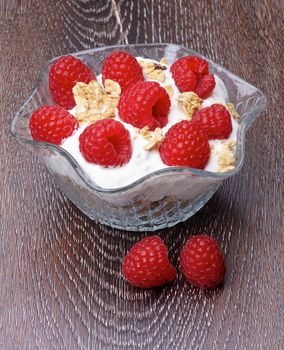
pixel 202 262
pixel 122 68
pixel 63 75
pixel 147 264
pixel 185 145
pixel 193 63
pixel 191 73
pixel 186 81
pixel 205 86
pixel 145 104
pixel 215 121
pixel 183 75
pixel 52 124
pixel 106 142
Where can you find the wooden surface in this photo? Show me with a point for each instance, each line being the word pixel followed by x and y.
pixel 60 280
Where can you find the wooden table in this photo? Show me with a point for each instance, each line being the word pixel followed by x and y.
pixel 60 273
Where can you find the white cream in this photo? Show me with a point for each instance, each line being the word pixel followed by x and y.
pixel 145 162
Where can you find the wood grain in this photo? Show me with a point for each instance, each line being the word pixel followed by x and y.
pixel 60 280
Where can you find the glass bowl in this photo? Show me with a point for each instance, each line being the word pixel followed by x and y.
pixel 157 200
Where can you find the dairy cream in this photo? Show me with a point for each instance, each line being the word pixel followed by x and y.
pixel 144 162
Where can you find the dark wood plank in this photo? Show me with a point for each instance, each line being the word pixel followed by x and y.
pixel 60 280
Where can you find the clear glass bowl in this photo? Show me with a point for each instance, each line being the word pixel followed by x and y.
pixel 158 200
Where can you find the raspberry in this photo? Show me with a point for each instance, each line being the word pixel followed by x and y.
pixel 63 75
pixel 191 73
pixel 185 145
pixel 52 124
pixel 147 265
pixel 215 121
pixel 145 104
pixel 186 81
pixel 205 86
pixel 122 68
pixel 202 262
pixel 106 142
pixel 193 63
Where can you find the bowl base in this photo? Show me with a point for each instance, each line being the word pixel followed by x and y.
pixel 180 214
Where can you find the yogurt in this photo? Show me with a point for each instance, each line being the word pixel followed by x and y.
pixel 144 162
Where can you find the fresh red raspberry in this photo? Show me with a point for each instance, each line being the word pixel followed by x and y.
pixel 122 68
pixel 202 262
pixel 52 124
pixel 147 264
pixel 145 104
pixel 191 73
pixel 193 63
pixel 185 145
pixel 186 81
pixel 106 142
pixel 205 86
pixel 63 75
pixel 215 120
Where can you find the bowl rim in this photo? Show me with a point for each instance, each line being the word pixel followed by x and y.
pixel 249 118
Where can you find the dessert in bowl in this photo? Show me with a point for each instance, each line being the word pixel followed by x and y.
pixel 144 184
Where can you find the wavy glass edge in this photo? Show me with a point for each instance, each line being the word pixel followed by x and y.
pixel 241 135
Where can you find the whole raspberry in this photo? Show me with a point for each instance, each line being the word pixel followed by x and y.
pixel 52 124
pixel 215 120
pixel 106 142
pixel 122 68
pixel 145 104
pixel 185 145
pixel 191 73
pixel 202 262
pixel 147 265
pixel 63 75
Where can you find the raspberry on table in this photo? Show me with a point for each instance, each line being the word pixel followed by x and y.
pixel 145 104
pixel 215 120
pixel 63 76
pixel 106 142
pixel 147 264
pixel 123 68
pixel 185 145
pixel 191 73
pixel 202 262
pixel 52 124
